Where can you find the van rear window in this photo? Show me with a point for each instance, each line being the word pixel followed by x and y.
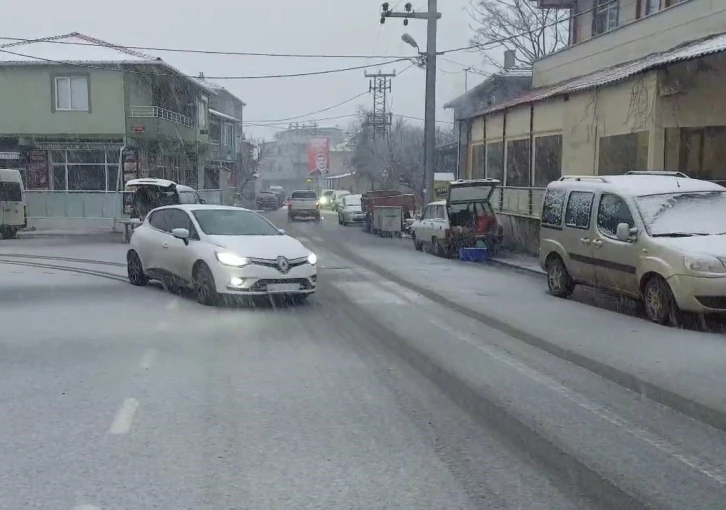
pixel 10 192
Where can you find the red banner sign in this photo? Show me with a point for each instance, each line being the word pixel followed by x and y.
pixel 319 155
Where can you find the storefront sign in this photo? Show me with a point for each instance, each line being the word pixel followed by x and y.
pixel 9 155
pixel 319 155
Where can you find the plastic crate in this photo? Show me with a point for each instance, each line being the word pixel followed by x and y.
pixel 474 254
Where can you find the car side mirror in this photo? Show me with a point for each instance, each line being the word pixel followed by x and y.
pixel 282 231
pixel 624 233
pixel 181 233
pixel 202 201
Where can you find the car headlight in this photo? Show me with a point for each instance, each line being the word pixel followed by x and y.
pixel 312 259
pixel 704 264
pixel 230 259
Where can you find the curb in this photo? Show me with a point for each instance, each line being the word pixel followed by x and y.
pixel 512 265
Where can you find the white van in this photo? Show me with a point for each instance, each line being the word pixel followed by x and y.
pixel 13 209
pixel 655 236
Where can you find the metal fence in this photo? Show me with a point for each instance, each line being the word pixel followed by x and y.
pixel 518 200
pixel 79 209
pixel 160 113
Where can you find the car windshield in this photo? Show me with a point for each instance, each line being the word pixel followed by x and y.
pixel 684 214
pixel 231 222
pixel 10 192
pixel 352 202
pixel 327 193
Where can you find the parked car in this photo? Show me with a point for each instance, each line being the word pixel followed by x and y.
pixel 337 196
pixel 267 201
pixel 220 250
pixel 464 219
pixel 326 198
pixel 653 236
pixel 14 210
pixel 349 210
pixel 150 193
pixel 303 204
pixel 279 191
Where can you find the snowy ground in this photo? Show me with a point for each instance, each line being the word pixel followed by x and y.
pixel 373 395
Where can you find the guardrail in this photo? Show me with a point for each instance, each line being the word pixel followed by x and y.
pixel 160 113
pixel 520 201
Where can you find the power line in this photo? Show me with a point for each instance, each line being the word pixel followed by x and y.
pixel 202 52
pixel 310 113
pixel 259 77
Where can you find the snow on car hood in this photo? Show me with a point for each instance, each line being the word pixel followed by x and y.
pixel 714 245
pixel 262 247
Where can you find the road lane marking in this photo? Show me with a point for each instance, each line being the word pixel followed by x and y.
pixel 124 417
pixel 368 293
pixel 148 360
pixel 660 444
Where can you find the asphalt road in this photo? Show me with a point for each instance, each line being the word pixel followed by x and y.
pixel 369 396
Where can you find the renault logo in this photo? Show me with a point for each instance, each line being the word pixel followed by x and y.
pixel 283 264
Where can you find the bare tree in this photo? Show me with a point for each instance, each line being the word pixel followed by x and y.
pixel 518 25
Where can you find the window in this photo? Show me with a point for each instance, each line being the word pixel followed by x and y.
pixel 579 207
pixel 605 16
pixel 552 207
pixel 202 113
pixel 71 93
pixel 84 170
pixel 211 178
pixel 187 197
pixel 309 195
pixel 621 153
pixel 547 159
pixel 652 6
pixel 517 163
pixel 440 212
pixel 495 160
pixel 611 212
pixel 700 153
pixel 10 192
pixel 160 220
pixel 233 222
pixel 179 219
pixel 478 161
pixel 228 135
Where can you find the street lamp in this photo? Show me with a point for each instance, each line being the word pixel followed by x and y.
pixel 406 37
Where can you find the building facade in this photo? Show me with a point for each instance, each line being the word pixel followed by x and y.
pixel 640 87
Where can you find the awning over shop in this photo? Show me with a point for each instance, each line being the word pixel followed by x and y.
pixel 223 115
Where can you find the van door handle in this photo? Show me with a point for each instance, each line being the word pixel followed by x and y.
pixel 584 240
pixel 597 242
pixel 164 245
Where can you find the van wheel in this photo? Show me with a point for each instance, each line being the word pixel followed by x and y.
pixel 416 244
pixel 9 233
pixel 660 305
pixel 559 280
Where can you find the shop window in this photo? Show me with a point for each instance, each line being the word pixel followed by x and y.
pixel 622 153
pixel 547 159
pixel 478 161
pixel 84 170
pixel 518 163
pixel 211 178
pixel 702 152
pixel 495 160
pixel 86 178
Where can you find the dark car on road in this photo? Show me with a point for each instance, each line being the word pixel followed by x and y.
pixel 267 201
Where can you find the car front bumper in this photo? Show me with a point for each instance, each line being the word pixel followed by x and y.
pixel 354 217
pixel 699 294
pixel 261 280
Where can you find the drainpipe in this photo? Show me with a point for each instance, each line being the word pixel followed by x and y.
pixel 531 157
pixel 458 152
pixel 119 178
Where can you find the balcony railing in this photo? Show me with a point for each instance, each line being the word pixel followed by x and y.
pixel 518 200
pixel 161 113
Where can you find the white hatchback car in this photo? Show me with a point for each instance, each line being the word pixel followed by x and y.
pixel 220 250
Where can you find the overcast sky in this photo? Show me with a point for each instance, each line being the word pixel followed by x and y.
pixel 282 26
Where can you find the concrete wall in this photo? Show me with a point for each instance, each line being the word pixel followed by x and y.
pixel 27 102
pixel 633 39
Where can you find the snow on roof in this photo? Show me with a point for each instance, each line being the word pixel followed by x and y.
pixel 73 47
pixel 516 72
pixel 687 51
pixel 150 181
pixel 76 49
pixel 223 115
pixel 444 176
pixel 639 185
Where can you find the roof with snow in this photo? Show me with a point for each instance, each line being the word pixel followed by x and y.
pixel 509 74
pixel 687 51
pixel 77 49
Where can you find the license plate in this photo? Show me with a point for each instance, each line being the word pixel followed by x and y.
pixel 283 287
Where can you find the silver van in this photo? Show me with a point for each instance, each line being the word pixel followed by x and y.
pixel 655 236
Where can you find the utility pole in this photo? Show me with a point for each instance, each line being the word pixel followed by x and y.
pixel 380 119
pixel 432 17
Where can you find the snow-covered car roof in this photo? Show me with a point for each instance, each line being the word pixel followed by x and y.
pixel 637 185
pixel 150 181
pixel 206 207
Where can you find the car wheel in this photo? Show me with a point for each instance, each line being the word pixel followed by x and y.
pixel 436 248
pixel 660 305
pixel 204 286
pixel 340 220
pixel 135 271
pixel 317 219
pixel 559 280
pixel 9 233
pixel 416 244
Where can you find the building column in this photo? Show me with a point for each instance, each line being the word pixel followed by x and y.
pixel 656 132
